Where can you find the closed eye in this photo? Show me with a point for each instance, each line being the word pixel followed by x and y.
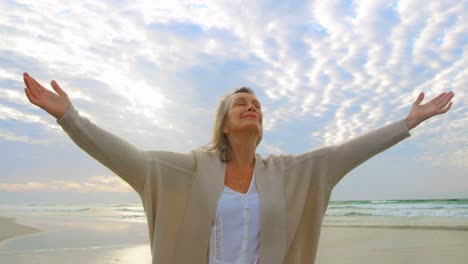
pixel 242 102
pixel 257 104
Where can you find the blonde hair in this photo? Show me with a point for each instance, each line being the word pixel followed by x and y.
pixel 219 142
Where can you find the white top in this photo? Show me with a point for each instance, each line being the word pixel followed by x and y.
pixel 235 231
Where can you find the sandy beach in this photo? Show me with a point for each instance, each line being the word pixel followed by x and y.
pixel 375 240
pixel 9 228
pixel 392 245
pixel 385 240
pixel 72 240
pixel 126 254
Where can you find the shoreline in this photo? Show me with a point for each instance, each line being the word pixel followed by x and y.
pixel 411 227
pixel 9 228
pixel 398 222
pixel 55 239
pixel 343 240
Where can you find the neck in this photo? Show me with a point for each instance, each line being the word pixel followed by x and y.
pixel 243 150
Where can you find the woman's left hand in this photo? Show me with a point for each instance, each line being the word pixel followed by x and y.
pixel 421 112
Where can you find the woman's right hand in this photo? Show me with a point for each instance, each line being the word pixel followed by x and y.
pixel 54 104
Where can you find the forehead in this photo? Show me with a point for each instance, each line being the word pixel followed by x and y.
pixel 243 96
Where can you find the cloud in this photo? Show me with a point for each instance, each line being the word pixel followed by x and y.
pixel 13 96
pixel 6 135
pixel 152 71
pixel 109 184
pixel 272 149
pixel 9 113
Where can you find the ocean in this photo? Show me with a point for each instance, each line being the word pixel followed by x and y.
pixel 403 208
pixel 133 212
pixel 130 212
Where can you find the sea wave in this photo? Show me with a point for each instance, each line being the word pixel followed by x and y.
pixel 442 208
pixel 452 208
pixel 138 210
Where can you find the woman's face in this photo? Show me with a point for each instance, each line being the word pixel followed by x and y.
pixel 244 114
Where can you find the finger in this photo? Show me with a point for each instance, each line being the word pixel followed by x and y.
pixel 30 96
pixel 57 88
pixel 444 110
pixel 419 99
pixel 437 99
pixel 32 85
pixel 445 100
pixel 38 85
pixel 28 83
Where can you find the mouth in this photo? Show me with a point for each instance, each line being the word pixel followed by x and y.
pixel 251 116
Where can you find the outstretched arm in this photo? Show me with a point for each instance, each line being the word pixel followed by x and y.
pixel 346 156
pixel 421 112
pixel 113 152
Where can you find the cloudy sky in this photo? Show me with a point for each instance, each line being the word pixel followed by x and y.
pixel 152 72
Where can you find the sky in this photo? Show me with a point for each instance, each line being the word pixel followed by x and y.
pixel 152 72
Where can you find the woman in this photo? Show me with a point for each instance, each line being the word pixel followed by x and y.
pixel 227 204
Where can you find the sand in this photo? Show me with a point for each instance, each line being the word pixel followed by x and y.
pixel 75 240
pixel 70 239
pixel 9 228
pixel 128 254
pixel 392 245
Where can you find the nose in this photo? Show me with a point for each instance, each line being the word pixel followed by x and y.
pixel 252 108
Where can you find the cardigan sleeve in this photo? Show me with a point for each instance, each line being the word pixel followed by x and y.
pixel 345 157
pixel 118 155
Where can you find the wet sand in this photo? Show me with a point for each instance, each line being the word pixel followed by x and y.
pixel 72 240
pixel 82 240
pixel 9 228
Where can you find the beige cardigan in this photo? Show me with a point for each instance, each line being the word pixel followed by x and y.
pixel 180 192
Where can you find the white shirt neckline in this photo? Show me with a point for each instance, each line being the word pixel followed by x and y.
pixel 252 181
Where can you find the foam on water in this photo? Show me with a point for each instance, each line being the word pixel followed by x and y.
pixel 134 212
pixel 126 212
pixel 409 208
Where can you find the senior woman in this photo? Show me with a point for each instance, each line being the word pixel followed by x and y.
pixel 225 203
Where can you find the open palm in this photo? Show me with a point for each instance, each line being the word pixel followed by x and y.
pixel 54 104
pixel 421 112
